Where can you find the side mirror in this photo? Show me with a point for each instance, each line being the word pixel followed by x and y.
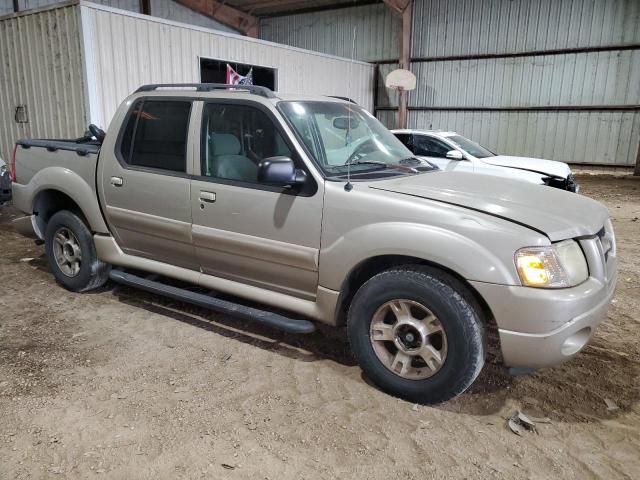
pixel 280 171
pixel 454 155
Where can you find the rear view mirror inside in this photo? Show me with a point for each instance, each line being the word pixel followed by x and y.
pixel 346 123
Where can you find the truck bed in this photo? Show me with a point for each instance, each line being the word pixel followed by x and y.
pixel 33 156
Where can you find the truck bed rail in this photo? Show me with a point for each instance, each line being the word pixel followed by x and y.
pixel 81 149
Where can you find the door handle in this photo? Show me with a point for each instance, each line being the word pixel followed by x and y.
pixel 117 181
pixel 208 196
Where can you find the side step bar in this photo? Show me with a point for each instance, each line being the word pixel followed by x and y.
pixel 237 310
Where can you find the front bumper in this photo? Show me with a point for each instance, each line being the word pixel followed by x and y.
pixel 545 327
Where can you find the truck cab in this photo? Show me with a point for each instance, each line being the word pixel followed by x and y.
pixel 311 206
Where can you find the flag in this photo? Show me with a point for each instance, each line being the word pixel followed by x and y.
pixel 234 78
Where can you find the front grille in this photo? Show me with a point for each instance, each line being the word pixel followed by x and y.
pixel 607 240
pixel 600 251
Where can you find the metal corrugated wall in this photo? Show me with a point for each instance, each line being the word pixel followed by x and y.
pixel 458 27
pixel 6 6
pixel 167 9
pixel 509 102
pixel 331 31
pixel 450 35
pixel 179 13
pixel 42 69
pixel 126 50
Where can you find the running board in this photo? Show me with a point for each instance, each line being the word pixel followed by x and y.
pixel 224 306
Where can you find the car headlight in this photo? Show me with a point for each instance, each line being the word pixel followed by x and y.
pixel 559 265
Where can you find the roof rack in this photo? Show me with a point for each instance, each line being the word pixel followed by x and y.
pixel 208 87
pixel 346 99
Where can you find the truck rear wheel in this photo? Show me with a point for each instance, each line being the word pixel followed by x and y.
pixel 417 334
pixel 72 255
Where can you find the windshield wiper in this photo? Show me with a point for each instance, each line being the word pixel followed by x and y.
pixel 367 162
pixel 410 161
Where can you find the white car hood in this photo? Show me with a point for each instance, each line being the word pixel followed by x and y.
pixel 550 167
pixel 554 212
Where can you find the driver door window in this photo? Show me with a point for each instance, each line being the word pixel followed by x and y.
pixel 429 147
pixel 235 139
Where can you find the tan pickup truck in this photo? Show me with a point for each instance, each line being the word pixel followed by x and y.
pixel 310 205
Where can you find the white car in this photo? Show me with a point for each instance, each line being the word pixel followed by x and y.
pixel 453 152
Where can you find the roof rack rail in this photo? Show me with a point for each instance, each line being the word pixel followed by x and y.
pixel 208 87
pixel 346 99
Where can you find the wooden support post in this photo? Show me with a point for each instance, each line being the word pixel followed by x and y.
pixel 403 8
pixel 405 62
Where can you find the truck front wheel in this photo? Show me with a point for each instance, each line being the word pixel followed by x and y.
pixel 71 253
pixel 417 334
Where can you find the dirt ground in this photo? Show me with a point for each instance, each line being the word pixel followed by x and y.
pixel 129 385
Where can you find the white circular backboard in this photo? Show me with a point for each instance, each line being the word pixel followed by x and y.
pixel 401 79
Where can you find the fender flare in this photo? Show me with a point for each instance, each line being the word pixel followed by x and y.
pixel 431 244
pixel 75 187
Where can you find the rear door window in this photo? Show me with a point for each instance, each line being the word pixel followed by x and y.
pixel 155 135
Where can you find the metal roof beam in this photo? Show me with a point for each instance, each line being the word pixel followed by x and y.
pixel 223 13
pixel 398 6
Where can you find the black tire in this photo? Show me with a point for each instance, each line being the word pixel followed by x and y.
pixel 93 273
pixel 456 310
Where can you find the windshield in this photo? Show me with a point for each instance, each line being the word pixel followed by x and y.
pixel 472 148
pixel 343 136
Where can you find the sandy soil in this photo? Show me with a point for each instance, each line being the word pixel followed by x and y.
pixel 128 385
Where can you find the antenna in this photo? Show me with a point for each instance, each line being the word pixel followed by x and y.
pixel 348 187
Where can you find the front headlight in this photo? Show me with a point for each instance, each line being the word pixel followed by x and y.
pixel 559 265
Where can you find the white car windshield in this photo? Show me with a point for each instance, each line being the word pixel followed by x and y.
pixel 472 148
pixel 341 136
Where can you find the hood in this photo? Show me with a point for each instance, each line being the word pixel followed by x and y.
pixel 550 167
pixel 556 213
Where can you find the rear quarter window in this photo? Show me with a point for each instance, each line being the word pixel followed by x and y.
pixel 155 135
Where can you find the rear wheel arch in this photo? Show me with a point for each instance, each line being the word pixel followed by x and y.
pixel 50 201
